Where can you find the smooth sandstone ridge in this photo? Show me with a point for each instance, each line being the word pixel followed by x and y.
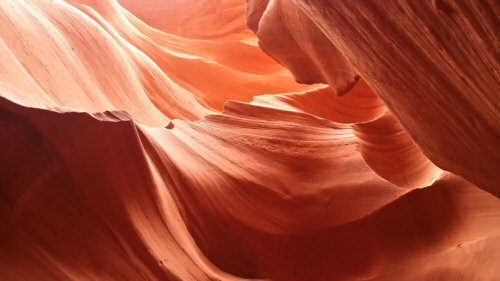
pixel 286 140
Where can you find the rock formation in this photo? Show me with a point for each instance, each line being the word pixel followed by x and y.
pixel 286 140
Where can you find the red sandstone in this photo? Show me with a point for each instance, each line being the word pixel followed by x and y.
pixel 285 140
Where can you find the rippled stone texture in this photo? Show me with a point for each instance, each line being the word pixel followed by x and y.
pixel 166 140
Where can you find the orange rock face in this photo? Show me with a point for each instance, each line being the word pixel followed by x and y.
pixel 266 140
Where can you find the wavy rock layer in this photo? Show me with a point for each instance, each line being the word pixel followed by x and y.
pixel 123 158
pixel 434 63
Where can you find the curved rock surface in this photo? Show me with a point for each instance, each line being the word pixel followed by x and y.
pixel 434 63
pixel 156 140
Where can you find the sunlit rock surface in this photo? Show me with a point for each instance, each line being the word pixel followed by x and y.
pixel 233 140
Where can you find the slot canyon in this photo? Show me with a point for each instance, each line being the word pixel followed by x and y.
pixel 271 140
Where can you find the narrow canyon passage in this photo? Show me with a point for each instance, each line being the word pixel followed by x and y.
pixel 285 140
